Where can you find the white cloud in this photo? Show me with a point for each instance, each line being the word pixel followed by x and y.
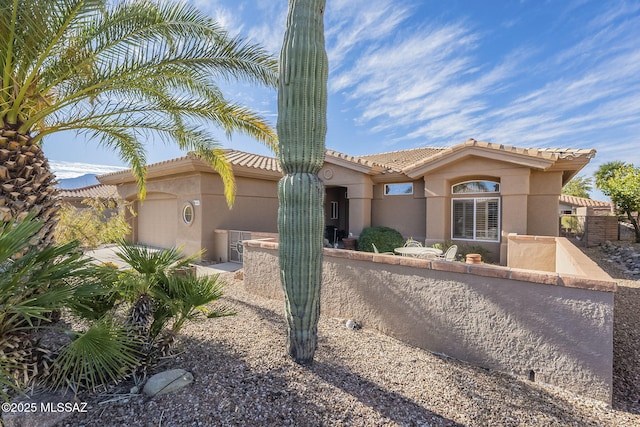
pixel 64 170
pixel 353 24
pixel 432 84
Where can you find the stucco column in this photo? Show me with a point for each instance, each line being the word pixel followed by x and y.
pixel 514 192
pixel 359 196
pixel 438 222
pixel 514 214
pixel 514 220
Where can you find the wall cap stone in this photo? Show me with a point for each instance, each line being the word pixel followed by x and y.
pixel 485 270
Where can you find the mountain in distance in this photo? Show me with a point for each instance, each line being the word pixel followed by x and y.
pixel 78 182
pixel 72 175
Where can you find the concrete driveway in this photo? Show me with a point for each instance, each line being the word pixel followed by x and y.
pixel 107 253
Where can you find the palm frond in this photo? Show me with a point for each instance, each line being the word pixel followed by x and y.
pixel 125 71
pixel 103 354
pixel 97 294
pixel 7 383
pixel 191 296
pixel 149 261
pixel 37 282
pixel 15 236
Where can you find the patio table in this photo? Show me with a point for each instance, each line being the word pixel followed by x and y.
pixel 418 251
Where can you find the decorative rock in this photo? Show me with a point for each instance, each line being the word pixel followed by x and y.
pixel 627 257
pixel 353 325
pixel 167 381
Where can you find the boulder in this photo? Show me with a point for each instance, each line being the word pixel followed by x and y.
pixel 167 381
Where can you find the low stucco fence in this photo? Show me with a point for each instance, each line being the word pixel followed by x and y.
pixel 553 328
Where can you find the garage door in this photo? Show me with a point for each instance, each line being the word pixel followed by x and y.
pixel 158 221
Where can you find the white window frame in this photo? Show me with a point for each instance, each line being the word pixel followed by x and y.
pixel 475 192
pixel 481 196
pixel 334 210
pixel 188 206
pixel 475 211
pixel 387 186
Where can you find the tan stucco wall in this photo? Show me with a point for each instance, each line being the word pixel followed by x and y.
pixel 532 252
pixel 255 208
pixel 543 203
pixel 528 200
pixel 405 213
pixel 511 320
pixel 554 254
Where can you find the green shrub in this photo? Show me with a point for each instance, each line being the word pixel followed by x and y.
pixel 386 239
pixel 463 250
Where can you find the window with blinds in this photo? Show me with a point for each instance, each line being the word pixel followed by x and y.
pixel 475 218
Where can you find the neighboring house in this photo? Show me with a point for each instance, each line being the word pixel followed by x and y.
pixel 571 205
pixel 472 193
pixel 589 221
pixel 75 196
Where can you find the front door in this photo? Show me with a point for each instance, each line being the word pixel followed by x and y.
pixel 336 217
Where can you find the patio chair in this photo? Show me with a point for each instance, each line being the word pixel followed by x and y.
pixel 450 254
pixel 411 243
pixel 375 250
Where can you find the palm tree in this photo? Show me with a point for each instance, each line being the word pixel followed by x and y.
pixel 33 286
pixel 118 72
pixel 302 126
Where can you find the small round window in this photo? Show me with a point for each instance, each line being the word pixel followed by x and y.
pixel 188 213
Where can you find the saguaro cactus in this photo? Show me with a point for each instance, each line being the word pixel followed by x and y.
pixel 302 126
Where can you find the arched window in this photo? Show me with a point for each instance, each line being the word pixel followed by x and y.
pixel 472 187
pixel 475 218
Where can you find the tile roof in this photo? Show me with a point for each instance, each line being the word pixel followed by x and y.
pixel 236 158
pixel 90 192
pixel 551 154
pixel 398 160
pixel 402 160
pixel 581 201
pixel 240 158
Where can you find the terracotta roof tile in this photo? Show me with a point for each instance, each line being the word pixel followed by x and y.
pixel 256 161
pixel 398 160
pixel 546 153
pixel 581 201
pixel 90 192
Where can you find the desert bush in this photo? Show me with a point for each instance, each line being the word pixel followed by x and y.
pixel 386 239
pixel 100 222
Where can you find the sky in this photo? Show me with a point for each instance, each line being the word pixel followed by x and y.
pixel 413 73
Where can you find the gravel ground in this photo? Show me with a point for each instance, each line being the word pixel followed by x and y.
pixel 360 378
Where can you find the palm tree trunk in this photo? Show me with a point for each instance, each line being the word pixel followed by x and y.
pixel 26 183
pixel 302 109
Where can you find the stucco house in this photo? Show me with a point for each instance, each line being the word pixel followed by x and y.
pixel 474 193
pixel 76 196
pixel 572 205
